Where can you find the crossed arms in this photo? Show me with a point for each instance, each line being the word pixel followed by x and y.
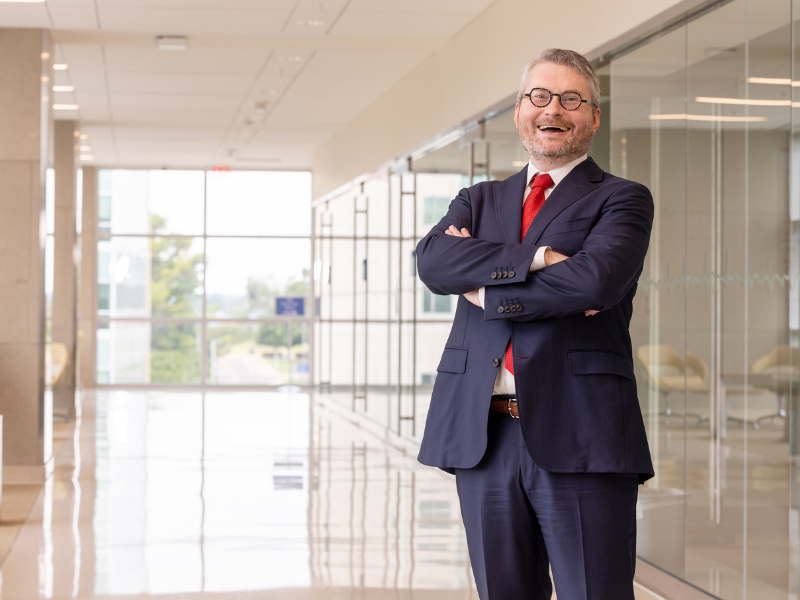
pixel 594 279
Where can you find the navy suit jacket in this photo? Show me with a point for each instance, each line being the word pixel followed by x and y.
pixel 576 391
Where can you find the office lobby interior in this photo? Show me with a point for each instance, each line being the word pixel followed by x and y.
pixel 217 356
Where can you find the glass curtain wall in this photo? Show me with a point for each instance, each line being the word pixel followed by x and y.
pixel 705 113
pixel 203 277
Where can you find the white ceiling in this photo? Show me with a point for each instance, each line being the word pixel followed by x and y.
pixel 261 84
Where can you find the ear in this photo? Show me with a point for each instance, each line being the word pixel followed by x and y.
pixel 596 123
pixel 516 116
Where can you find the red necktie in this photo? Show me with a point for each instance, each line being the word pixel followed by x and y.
pixel 532 205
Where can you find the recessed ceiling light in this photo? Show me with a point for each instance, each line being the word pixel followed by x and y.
pixel 84 136
pixel 85 148
pixel 311 23
pixel 65 107
pixel 60 67
pixel 63 88
pixel 171 42
pixel 45 55
pixel 87 157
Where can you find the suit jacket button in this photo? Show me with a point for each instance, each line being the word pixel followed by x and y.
pixel 500 309
pixel 507 309
pixel 519 307
pixel 496 361
pixel 494 275
pixel 513 308
pixel 511 273
pixel 505 274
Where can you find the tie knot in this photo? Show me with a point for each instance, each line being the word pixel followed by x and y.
pixel 542 180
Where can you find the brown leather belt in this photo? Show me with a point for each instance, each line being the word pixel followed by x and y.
pixel 505 406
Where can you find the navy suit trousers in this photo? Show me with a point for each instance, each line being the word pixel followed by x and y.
pixel 520 520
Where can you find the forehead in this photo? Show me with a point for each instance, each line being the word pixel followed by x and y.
pixel 557 78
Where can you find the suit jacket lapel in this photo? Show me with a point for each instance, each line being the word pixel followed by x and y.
pixel 508 205
pixel 579 182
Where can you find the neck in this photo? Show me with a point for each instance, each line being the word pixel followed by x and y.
pixel 545 164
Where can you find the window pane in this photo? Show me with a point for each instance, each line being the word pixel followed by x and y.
pixel 249 353
pixel 151 201
pixel 259 203
pixel 143 352
pixel 246 275
pixel 143 277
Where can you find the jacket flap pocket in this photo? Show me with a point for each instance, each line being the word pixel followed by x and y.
pixel 565 226
pixel 454 360
pixel 591 362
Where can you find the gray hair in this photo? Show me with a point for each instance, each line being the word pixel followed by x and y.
pixel 568 58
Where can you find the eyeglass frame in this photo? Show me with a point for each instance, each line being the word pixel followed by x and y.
pixel 560 101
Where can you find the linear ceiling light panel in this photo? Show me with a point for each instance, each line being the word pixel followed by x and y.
pixel 171 42
pixel 65 107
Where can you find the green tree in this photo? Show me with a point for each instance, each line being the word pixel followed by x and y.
pixel 175 279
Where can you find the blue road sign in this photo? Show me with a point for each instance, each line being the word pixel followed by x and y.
pixel 290 307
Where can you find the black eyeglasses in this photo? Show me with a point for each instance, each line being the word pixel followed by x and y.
pixel 541 97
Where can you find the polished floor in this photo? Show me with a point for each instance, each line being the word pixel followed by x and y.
pixel 232 495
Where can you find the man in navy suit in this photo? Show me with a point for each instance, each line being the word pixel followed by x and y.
pixel 535 408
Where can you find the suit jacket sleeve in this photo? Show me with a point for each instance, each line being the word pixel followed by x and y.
pixel 597 277
pixel 453 265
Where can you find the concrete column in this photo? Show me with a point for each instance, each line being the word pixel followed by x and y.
pixel 87 323
pixel 65 162
pixel 25 138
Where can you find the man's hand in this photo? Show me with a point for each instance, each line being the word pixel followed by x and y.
pixel 472 296
pixel 552 257
pixel 453 231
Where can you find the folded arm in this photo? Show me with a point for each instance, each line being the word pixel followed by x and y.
pixel 450 264
pixel 599 276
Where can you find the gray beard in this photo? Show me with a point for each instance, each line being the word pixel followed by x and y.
pixel 576 146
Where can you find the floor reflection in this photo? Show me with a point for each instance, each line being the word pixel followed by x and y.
pixel 163 493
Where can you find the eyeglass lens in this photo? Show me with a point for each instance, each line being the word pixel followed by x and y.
pixel 541 98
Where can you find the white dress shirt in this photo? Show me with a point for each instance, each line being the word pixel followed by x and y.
pixel 504 383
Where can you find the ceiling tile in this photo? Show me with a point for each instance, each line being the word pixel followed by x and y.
pixel 174 102
pixel 24 15
pixel 411 24
pixel 310 22
pixel 472 7
pixel 137 59
pixel 202 4
pixel 74 17
pixel 180 83
pixel 194 21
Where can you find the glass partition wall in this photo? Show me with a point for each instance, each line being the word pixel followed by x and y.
pixel 203 277
pixel 705 113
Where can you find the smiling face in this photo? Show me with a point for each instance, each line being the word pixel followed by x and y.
pixel 552 135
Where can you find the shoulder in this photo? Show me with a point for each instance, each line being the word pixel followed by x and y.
pixel 619 186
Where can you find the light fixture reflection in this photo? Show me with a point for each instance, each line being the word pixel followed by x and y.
pixel 685 117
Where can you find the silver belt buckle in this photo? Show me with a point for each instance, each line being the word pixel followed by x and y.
pixel 509 409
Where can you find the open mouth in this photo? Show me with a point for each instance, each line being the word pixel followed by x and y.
pixel 552 128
